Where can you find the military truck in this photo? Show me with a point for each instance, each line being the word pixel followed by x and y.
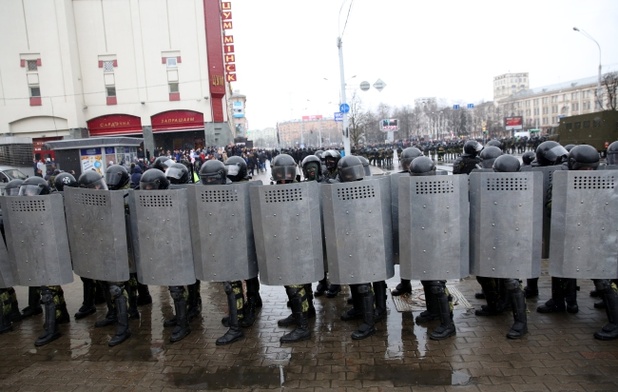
pixel 598 129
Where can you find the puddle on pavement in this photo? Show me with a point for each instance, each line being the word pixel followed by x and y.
pixel 235 377
pixel 401 375
pixel 274 376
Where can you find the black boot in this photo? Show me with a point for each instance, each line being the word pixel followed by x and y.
pixel 321 287
pixel 333 290
pixel 143 295
pixel 87 307
pixel 367 328
pixel 404 287
pixel 34 303
pixel 302 331
pixel 532 288
pixel 51 328
pixel 234 332
pixel 194 301
pixel 609 330
pixel 111 315
pixel 379 289
pixel 180 306
pixel 309 296
pixel 253 290
pixel 520 318
pixel 245 310
pixel 132 293
pixel 14 313
pixel 5 310
pixel 431 302
pixel 122 315
pixel 446 328
pixel 557 301
pixel 356 312
pixel 570 295
pixel 490 288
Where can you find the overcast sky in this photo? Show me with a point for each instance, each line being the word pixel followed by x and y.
pixel 449 49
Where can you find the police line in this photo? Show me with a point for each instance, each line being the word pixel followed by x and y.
pixel 436 227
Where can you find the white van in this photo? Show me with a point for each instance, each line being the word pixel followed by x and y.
pixel 521 134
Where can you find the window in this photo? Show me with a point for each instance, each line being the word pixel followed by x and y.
pixel 575 106
pixel 111 91
pixel 32 65
pixel 108 66
pixel 35 95
pixel 174 88
pixel 174 92
pixel 171 62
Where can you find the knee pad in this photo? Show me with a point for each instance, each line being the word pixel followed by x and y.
pixel 177 292
pixel 227 287
pixel 602 284
pixel 115 290
pixel 511 284
pixel 436 287
pixel 364 288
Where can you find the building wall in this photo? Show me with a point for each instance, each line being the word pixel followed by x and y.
pixel 307 133
pixel 74 39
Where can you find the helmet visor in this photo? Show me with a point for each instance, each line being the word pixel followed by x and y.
pixel 30 190
pixel 351 173
pixel 555 154
pixel 283 173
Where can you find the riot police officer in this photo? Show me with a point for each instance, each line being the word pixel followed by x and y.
pixel 283 170
pixel 331 159
pixel 116 296
pixel 488 155
pixel 438 300
pixel 52 297
pixel 469 160
pixel 528 157
pixel 407 156
pixel 586 157
pixel 154 179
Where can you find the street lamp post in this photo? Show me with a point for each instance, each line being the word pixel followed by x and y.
pixel 585 34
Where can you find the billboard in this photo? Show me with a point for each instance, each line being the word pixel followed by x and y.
pixel 389 124
pixel 515 123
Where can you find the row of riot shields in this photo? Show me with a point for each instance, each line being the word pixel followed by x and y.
pixel 436 227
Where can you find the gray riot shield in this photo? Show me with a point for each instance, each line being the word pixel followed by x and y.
pixel 434 227
pixel 288 232
pixel 7 277
pixel 36 237
pixel 97 233
pixel 163 237
pixel 584 225
pixel 548 172
pixel 222 232
pixel 358 232
pixel 394 187
pixel 505 224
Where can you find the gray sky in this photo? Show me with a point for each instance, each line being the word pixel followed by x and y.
pixel 448 49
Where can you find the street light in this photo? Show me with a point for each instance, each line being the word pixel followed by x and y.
pixel 585 34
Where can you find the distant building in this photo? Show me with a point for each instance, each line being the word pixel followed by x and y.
pixel 311 131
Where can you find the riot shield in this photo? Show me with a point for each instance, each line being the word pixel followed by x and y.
pixel 394 188
pixel 97 233
pixel 584 225
pixel 434 231
pixel 548 172
pixel 7 277
pixel 222 232
pixel 163 237
pixel 288 232
pixel 358 232
pixel 505 224
pixel 36 237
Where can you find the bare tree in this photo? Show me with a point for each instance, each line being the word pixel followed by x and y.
pixel 609 83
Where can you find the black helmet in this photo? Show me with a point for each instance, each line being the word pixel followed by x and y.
pixel 612 154
pixel 407 155
pixel 177 173
pixel 236 168
pixel 162 163
pixel 319 154
pixel 312 168
pixel 64 179
pixel 569 147
pixel 12 187
pixel 153 179
pixel 116 177
pixel 365 163
pixel 422 166
pixel 528 157
pixel 583 157
pixel 472 148
pixel 213 172
pixel 506 163
pixel 495 143
pixel 550 153
pixel 283 168
pixel 489 155
pixel 331 158
pixel 34 186
pixel 92 179
pixel 350 168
